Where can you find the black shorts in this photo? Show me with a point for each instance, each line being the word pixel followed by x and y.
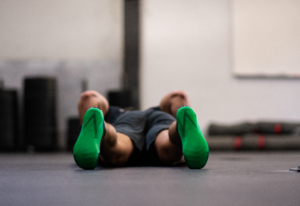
pixel 142 127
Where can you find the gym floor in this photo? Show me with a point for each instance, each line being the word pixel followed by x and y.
pixel 235 178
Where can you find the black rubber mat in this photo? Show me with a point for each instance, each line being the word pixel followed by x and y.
pixel 228 179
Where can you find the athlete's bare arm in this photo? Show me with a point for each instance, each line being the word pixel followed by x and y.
pixel 173 101
pixel 90 99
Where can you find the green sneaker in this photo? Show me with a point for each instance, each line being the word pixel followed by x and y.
pixel 194 146
pixel 87 147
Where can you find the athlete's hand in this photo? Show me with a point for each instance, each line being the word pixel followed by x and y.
pixel 90 99
pixel 173 101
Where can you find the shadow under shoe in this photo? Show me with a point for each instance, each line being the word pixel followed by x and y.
pixel 194 146
pixel 87 147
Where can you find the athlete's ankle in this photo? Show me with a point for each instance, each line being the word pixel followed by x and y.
pixel 109 138
pixel 174 135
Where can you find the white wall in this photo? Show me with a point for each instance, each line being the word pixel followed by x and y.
pixel 70 40
pixel 266 37
pixel 54 29
pixel 187 45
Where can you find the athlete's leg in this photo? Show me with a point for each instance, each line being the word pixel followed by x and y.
pixel 168 146
pixel 183 137
pixel 115 149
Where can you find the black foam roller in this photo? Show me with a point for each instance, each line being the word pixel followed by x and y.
pixel 277 128
pixel 237 129
pixel 254 143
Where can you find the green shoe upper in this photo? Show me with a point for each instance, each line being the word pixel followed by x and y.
pixel 194 146
pixel 87 147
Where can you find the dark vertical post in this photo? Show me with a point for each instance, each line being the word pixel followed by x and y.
pixel 131 49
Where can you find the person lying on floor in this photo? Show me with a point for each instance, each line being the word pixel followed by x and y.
pixel 165 135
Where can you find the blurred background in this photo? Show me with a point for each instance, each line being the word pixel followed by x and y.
pixel 148 48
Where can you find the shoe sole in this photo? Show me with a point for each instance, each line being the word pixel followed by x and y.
pixel 87 147
pixel 194 146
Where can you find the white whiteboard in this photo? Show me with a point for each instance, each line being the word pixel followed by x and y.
pixel 266 38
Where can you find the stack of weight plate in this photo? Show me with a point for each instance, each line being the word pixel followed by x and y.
pixel 121 99
pixel 8 119
pixel 74 128
pixel 40 113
